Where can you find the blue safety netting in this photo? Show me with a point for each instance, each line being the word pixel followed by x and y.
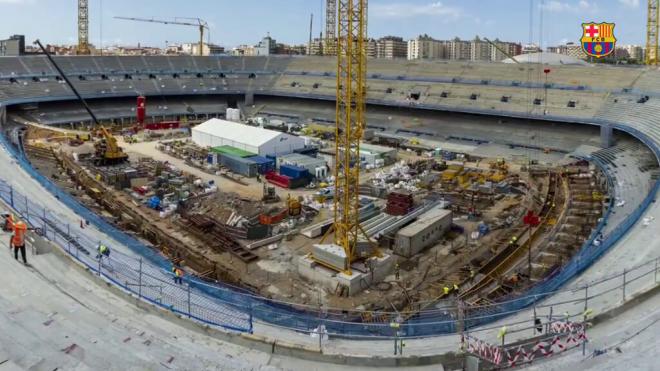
pixel 234 308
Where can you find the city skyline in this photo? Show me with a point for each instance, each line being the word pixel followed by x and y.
pixel 288 21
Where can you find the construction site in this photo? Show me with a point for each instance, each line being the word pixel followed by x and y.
pixel 433 219
pixel 297 200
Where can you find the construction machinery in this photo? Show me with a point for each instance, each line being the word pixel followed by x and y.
pixel 269 195
pixel 350 124
pixel 499 164
pixel 319 131
pixel 330 41
pixel 197 22
pixel 294 206
pixel 83 28
pixel 107 152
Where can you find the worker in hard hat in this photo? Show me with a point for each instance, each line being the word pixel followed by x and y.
pixel 8 219
pixel 445 290
pixel 17 241
pixel 103 251
pixel 178 274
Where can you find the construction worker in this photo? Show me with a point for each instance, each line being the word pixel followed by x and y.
pixel 445 290
pixel 178 275
pixel 455 288
pixel 17 240
pixel 9 222
pixel 513 241
pixel 397 272
pixel 103 251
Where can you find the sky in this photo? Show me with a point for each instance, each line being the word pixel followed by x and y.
pixel 235 22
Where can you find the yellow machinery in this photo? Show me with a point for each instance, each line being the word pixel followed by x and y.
pixel 350 123
pixel 294 205
pixel 330 41
pixel 107 150
pixel 500 164
pixel 320 131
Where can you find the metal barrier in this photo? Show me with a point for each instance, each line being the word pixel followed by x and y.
pixel 149 283
pixel 442 320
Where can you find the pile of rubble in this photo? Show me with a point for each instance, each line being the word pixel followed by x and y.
pixel 399 177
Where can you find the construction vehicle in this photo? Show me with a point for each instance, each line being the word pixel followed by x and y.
pixel 269 195
pixel 319 131
pixel 107 152
pixel 294 205
pixel 499 164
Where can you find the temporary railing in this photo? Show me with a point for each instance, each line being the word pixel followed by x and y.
pixel 303 318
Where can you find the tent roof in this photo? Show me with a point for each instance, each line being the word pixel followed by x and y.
pixel 239 133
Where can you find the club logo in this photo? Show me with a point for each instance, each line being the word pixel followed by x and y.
pixel 598 39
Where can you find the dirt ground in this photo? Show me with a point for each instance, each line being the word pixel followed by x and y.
pixel 275 273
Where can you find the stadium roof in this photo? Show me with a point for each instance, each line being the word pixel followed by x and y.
pixel 552 59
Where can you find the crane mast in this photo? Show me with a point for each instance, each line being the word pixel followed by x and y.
pixel 651 57
pixel 350 122
pixel 330 47
pixel 83 28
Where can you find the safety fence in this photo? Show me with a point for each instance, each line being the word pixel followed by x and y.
pixel 233 307
pixel 134 275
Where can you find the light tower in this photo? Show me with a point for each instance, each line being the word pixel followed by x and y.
pixel 651 57
pixel 83 28
pixel 330 42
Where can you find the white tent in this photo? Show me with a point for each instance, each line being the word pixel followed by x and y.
pixel 216 133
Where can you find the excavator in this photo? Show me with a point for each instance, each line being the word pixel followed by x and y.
pixel 107 152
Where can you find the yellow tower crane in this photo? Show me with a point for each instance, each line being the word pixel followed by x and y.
pixel 330 40
pixel 350 122
pixel 83 28
pixel 200 23
pixel 652 33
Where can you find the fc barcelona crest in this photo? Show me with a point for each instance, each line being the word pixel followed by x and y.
pixel 598 39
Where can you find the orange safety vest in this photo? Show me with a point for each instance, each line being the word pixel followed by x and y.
pixel 19 234
pixel 178 272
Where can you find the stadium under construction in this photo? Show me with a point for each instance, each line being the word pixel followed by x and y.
pixel 498 205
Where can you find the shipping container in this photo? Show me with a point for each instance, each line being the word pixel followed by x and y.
pixel 294 172
pixel 163 125
pixel 298 182
pixel 233 151
pixel 287 182
pixel 239 165
pixel 302 161
pixel 264 164
pixel 212 158
pixel 278 180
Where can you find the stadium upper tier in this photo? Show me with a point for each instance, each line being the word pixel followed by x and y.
pixel 574 91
